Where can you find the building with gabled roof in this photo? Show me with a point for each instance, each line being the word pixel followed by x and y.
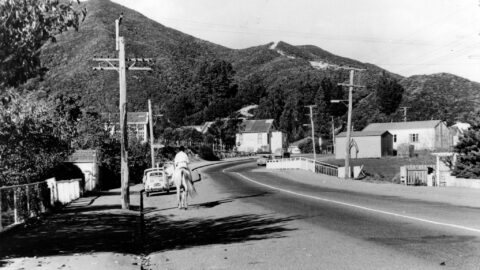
pixel 137 124
pixel 201 128
pixel 423 135
pixel 260 136
pixel 365 144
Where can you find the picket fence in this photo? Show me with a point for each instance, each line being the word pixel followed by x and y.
pixel 303 163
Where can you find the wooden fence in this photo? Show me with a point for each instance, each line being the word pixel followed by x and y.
pixel 416 175
pixel 21 202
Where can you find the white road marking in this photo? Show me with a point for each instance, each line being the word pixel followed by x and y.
pixel 361 207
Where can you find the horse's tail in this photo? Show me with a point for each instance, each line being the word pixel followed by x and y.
pixel 187 176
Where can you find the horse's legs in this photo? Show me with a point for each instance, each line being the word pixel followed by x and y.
pixel 179 194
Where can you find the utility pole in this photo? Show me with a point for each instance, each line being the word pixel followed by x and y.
pixel 313 130
pixel 350 85
pixel 121 69
pixel 333 134
pixel 404 113
pixel 150 116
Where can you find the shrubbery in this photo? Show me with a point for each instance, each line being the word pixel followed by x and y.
pixel 206 153
pixel 33 139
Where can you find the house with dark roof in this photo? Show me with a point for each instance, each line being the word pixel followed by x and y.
pixel 137 124
pixel 260 136
pixel 365 144
pixel 423 135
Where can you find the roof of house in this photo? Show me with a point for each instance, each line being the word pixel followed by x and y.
pixel 201 128
pixel 257 126
pixel 83 156
pixel 364 133
pixel 402 125
pixel 137 117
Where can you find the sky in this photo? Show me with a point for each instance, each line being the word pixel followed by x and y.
pixel 408 37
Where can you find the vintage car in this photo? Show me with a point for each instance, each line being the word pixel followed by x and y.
pixel 262 160
pixel 157 180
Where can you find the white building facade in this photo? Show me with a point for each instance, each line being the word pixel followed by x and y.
pixel 423 135
pixel 259 136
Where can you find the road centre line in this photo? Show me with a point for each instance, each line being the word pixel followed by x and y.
pixel 359 206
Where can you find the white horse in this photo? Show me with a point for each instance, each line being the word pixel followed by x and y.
pixel 184 184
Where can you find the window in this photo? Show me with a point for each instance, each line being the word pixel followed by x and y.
pixel 259 138
pixel 414 137
pixel 394 137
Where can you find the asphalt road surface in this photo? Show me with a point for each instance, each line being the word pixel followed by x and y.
pixel 247 217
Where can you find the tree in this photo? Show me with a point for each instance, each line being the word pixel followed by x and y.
pixel 468 150
pixel 33 140
pixel 25 25
pixel 389 94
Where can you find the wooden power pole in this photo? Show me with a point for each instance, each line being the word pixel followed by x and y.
pixel 150 119
pixel 313 130
pixel 121 68
pixel 350 85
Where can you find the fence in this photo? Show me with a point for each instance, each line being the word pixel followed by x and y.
pixel 416 174
pixel 303 164
pixel 21 202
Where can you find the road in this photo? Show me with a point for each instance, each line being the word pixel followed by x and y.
pixel 244 217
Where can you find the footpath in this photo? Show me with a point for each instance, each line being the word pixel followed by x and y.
pixel 94 232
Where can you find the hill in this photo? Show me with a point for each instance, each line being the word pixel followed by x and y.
pixel 194 80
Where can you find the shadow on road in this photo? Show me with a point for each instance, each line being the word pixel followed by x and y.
pixel 103 228
pixel 165 234
pixel 106 228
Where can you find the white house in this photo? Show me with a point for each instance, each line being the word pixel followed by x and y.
pixel 259 136
pixel 423 135
pixel 364 144
pixel 137 124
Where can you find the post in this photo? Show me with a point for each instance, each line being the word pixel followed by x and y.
pixel 27 191
pixel 121 69
pixel 123 124
pixel 1 227
pixel 349 120
pixel 117 34
pixel 313 130
pixel 333 135
pixel 150 116
pixel 349 124
pixel 15 207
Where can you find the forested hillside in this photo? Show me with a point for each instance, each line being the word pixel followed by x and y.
pixel 195 81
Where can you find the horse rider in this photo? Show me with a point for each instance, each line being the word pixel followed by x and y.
pixel 181 159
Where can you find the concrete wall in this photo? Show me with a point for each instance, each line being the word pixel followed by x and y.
pixel 368 147
pixel 452 181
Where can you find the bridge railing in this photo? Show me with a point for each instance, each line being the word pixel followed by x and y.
pixel 303 164
pixel 21 202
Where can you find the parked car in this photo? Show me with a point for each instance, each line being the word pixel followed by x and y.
pixel 156 180
pixel 262 160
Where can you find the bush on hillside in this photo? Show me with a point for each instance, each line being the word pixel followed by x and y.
pixel 207 153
